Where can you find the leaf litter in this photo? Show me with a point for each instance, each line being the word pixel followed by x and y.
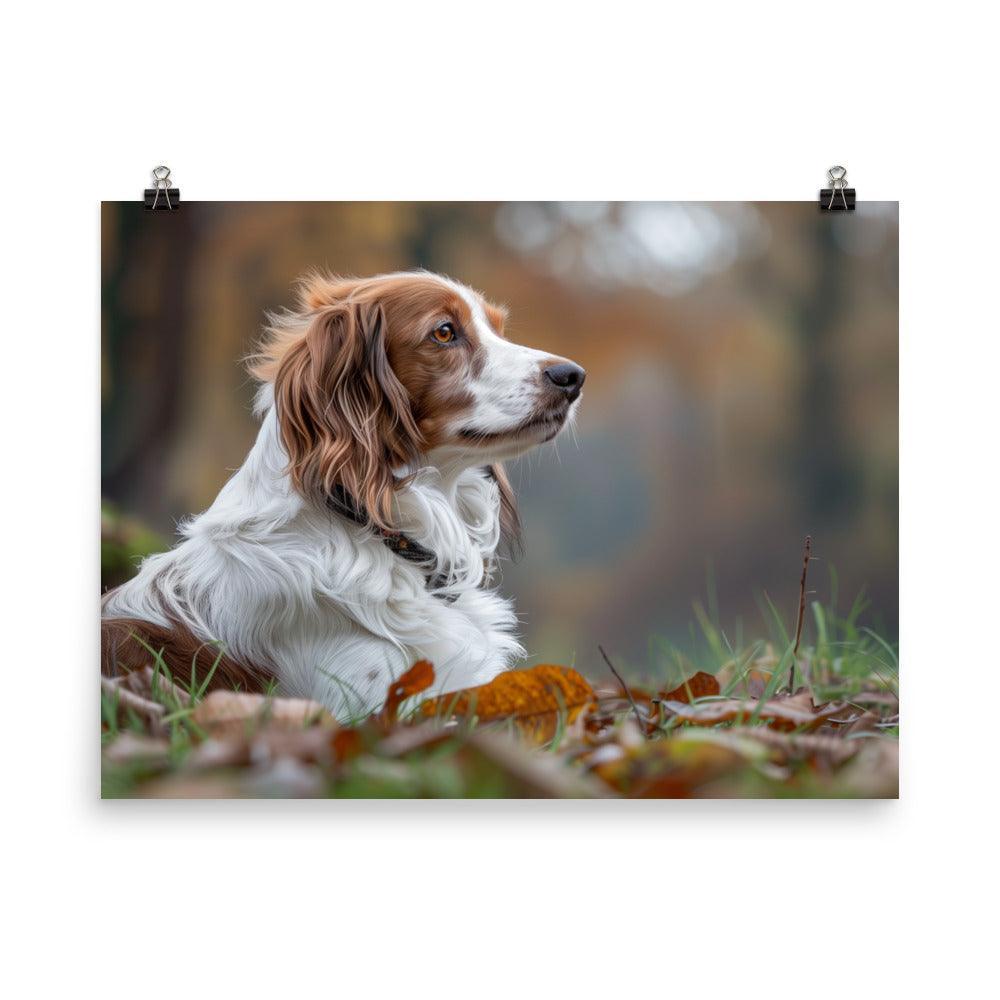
pixel 544 731
pixel 737 731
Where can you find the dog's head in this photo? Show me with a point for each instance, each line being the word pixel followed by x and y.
pixel 375 377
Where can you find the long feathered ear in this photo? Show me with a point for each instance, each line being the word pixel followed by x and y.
pixel 510 520
pixel 345 419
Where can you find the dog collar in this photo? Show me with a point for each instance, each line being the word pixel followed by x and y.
pixel 341 502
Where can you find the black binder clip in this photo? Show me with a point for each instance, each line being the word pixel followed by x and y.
pixel 162 196
pixel 838 197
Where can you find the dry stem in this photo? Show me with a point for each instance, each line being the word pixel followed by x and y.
pixel 628 694
pixel 802 613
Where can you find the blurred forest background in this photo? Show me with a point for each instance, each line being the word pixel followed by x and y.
pixel 742 366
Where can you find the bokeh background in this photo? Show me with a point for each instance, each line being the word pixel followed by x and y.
pixel 742 366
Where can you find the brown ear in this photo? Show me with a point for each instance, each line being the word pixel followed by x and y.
pixel 345 418
pixel 510 520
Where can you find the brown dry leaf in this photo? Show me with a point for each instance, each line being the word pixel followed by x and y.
pixel 156 686
pixel 609 705
pixel 129 748
pixel 529 774
pixel 232 713
pixel 418 678
pixel 866 723
pixel 283 777
pixel 873 772
pixel 782 713
pixel 885 703
pixel 213 753
pixel 128 701
pixel 756 683
pixel 752 680
pixel 796 746
pixel 701 685
pixel 312 746
pixel 404 740
pixel 534 698
pixel 678 766
pixel 192 785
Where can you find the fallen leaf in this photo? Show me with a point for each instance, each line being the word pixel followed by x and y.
pixel 676 767
pixel 529 774
pixel 610 705
pixel 418 678
pixel 799 746
pixel 751 680
pixel 233 713
pixel 887 703
pixel 126 701
pixel 156 686
pixel 192 785
pixel 866 723
pixel 873 772
pixel 131 748
pixel 348 743
pixel 701 685
pixel 782 713
pixel 312 746
pixel 284 777
pixel 533 698
pixel 404 740
pixel 219 753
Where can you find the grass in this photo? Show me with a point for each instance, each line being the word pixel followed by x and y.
pixel 844 656
pixel 839 658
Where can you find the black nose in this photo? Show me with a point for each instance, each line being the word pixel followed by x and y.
pixel 567 377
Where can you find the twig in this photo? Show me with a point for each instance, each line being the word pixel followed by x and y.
pixel 149 710
pixel 802 613
pixel 628 694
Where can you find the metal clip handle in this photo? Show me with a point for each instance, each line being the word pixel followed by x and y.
pixel 837 177
pixel 162 188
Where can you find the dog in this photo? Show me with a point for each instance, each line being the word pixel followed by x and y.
pixel 363 530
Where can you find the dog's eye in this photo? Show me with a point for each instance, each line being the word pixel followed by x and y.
pixel 444 334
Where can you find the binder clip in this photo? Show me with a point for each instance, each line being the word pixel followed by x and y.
pixel 838 197
pixel 162 196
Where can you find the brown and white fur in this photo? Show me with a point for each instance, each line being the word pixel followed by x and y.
pixel 402 390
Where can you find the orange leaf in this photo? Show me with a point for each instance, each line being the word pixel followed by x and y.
pixel 532 697
pixel 347 743
pixel 418 678
pixel 701 685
